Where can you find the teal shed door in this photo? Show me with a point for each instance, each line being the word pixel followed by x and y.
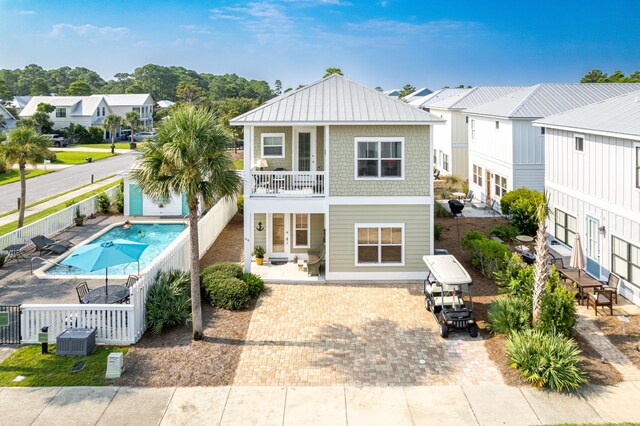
pixel 185 207
pixel 135 200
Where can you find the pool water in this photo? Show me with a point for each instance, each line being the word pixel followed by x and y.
pixel 157 235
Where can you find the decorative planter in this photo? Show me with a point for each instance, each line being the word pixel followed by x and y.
pixel 79 221
pixel 259 260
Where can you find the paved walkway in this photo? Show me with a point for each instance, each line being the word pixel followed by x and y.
pixel 336 405
pixel 369 335
pixel 63 198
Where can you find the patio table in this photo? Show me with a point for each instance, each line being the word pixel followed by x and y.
pixel 116 294
pixel 582 281
pixel 459 195
pixel 13 252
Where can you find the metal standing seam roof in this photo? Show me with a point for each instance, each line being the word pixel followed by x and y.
pixel 619 115
pixel 420 93
pixel 436 96
pixel 335 100
pixel 129 99
pixel 543 100
pixel 80 105
pixel 473 97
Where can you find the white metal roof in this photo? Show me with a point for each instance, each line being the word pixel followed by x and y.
pixel 80 105
pixel 418 94
pixel 165 103
pixel 469 98
pixel 436 96
pixel 619 115
pixel 446 269
pixel 335 100
pixel 19 101
pixel 543 100
pixel 133 99
pixel 392 92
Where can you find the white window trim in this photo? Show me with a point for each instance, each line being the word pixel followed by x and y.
pixel 61 109
pixel 295 231
pixel 472 129
pixel 567 213
pixel 272 135
pixel 506 186
pixel 479 175
pixel 578 135
pixel 626 240
pixel 379 226
pixel 378 139
pixel 446 169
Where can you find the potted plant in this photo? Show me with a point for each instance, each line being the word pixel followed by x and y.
pixel 3 257
pixel 79 217
pixel 258 252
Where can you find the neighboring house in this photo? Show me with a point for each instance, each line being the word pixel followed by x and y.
pixel 165 103
pixel 393 93
pixel 341 166
pixel 437 95
pixel 450 142
pixel 85 111
pixel 505 150
pixel 19 102
pixel 418 94
pixel 7 120
pixel 592 178
pixel 141 103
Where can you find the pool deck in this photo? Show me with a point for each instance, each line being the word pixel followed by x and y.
pixel 18 286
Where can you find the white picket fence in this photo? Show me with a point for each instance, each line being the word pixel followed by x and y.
pixel 125 324
pixel 53 224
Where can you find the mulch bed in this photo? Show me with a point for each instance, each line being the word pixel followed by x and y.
pixel 485 290
pixel 629 342
pixel 228 246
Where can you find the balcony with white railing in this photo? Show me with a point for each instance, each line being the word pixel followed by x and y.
pixel 287 184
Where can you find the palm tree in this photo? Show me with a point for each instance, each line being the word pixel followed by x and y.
pixel 542 271
pixel 112 122
pixel 24 146
pixel 190 158
pixel 132 118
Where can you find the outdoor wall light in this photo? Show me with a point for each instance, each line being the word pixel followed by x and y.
pixel 602 229
pixel 259 228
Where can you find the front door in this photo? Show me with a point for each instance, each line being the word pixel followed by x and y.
pixel 592 243
pixel 279 247
pixel 305 150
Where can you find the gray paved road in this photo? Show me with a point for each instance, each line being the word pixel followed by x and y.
pixel 63 180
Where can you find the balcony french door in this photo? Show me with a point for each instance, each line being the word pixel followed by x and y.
pixel 304 150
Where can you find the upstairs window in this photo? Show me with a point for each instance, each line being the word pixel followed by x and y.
pixel 61 112
pixel 379 158
pixel 542 131
pixel 473 129
pixel 579 140
pixel 497 125
pixel 272 145
pixel 103 111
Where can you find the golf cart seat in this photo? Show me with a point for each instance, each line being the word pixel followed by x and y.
pixel 433 288
pixel 448 301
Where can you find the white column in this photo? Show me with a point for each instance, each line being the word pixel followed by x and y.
pixel 248 223
pixel 248 214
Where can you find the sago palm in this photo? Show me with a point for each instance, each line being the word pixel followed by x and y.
pixel 542 259
pixel 112 122
pixel 132 118
pixel 24 146
pixel 189 157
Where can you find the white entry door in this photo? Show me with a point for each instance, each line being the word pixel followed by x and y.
pixel 592 244
pixel 279 245
pixel 304 158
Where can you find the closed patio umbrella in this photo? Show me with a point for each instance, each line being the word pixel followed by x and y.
pixel 577 257
pixel 93 257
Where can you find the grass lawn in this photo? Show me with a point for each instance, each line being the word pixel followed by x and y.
pixel 14 175
pixel 238 164
pixel 74 157
pixel 119 145
pixel 5 229
pixel 52 370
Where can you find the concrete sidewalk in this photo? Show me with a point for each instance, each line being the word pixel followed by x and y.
pixel 335 405
pixel 63 198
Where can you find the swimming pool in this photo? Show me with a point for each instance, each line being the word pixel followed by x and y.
pixel 157 235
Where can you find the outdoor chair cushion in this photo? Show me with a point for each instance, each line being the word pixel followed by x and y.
pixel 448 301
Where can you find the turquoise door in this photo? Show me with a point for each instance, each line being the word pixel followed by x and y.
pixel 135 200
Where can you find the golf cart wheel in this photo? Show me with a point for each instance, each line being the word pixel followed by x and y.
pixel 444 331
pixel 427 303
pixel 473 330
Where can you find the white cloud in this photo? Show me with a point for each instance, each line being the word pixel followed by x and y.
pixel 89 30
pixel 185 42
pixel 411 28
pixel 26 12
pixel 266 20
pixel 195 29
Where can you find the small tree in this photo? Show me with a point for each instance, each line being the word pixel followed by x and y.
pixel 112 122
pixel 406 90
pixel 330 71
pixel 542 260
pixel 132 118
pixel 79 88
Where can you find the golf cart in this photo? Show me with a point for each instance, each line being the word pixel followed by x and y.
pixel 447 295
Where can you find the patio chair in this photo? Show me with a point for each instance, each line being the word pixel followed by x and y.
pixel 316 257
pixel 82 289
pixel 44 244
pixel 469 197
pixel 436 175
pixel 445 194
pixel 557 262
pixel 612 283
pixel 129 284
pixel 600 297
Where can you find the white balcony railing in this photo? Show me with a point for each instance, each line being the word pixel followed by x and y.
pixel 287 184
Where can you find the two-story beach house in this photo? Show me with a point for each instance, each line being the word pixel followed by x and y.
pixel 450 142
pixel 506 151
pixel 85 111
pixel 592 177
pixel 141 103
pixel 342 171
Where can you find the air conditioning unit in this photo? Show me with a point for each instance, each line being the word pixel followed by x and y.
pixel 76 342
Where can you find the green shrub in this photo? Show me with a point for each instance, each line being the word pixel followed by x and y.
pixel 557 308
pixel 509 314
pixel 546 359
pixel 524 216
pixel 3 167
pixel 508 199
pixel 224 270
pixel 505 233
pixel 437 231
pixel 118 201
pixel 510 269
pixel 487 255
pixel 95 135
pixel 169 301
pixel 227 293
pixel 240 203
pixel 440 211
pixel 255 283
pixel 103 202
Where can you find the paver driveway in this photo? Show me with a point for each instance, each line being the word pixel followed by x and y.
pixel 321 334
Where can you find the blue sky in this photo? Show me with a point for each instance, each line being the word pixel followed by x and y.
pixel 385 42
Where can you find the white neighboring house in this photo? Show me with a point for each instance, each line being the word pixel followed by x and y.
pixel 8 120
pixel 592 176
pixel 437 95
pixel 165 103
pixel 85 111
pixel 19 102
pixel 450 142
pixel 141 103
pixel 393 92
pixel 418 94
pixel 506 151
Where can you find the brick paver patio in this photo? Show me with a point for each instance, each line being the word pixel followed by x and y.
pixel 323 334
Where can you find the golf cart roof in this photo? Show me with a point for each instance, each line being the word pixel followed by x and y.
pixel 447 270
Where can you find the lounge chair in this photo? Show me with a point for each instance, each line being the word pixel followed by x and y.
pixel 44 244
pixel 316 257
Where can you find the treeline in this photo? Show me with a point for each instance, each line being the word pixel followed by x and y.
pixel 597 76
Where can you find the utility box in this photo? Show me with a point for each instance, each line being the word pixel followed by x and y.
pixel 115 365
pixel 76 342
